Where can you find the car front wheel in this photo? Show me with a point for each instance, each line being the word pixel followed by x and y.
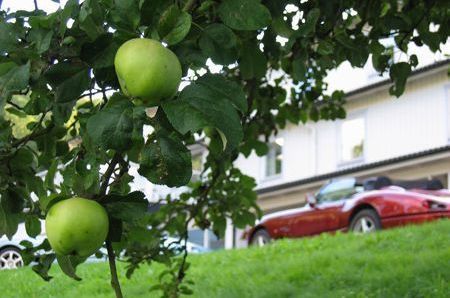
pixel 260 238
pixel 10 258
pixel 365 221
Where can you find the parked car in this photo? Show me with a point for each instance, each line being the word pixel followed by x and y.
pixel 191 247
pixel 11 257
pixel 348 204
pixel 10 250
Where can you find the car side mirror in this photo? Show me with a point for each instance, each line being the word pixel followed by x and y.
pixel 311 200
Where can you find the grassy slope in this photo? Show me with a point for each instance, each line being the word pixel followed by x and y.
pixel 406 262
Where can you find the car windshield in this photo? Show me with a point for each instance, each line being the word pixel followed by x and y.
pixel 338 190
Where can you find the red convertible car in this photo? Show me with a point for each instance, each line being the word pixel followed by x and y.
pixel 348 204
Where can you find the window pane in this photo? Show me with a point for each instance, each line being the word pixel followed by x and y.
pixel 352 139
pixel 197 167
pixel 274 158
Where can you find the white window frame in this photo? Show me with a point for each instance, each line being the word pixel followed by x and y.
pixel 264 177
pixel 359 160
pixel 198 153
pixel 447 109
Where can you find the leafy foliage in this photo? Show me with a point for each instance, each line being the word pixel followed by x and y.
pixel 58 83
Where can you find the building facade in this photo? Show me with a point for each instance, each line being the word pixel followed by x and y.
pixel 404 138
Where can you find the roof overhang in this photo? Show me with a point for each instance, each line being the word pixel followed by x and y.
pixel 361 170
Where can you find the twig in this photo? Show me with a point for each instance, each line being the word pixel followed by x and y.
pixel 112 267
pixel 413 27
pixel 181 272
pixel 189 4
pixel 35 133
pixel 115 284
pixel 109 171
pixel 14 105
pixel 105 98
pixel 36 5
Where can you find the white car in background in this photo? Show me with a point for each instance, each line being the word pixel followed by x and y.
pixel 10 250
pixel 11 257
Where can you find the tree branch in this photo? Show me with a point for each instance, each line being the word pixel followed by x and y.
pixel 34 133
pixel 112 267
pixel 109 171
pixel 115 284
pixel 36 5
pixel 14 105
pixel 189 4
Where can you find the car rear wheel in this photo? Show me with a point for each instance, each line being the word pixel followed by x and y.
pixel 260 238
pixel 365 221
pixel 10 258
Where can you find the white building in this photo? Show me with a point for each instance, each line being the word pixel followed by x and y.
pixel 405 138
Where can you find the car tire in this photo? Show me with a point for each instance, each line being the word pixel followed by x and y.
pixel 260 238
pixel 10 258
pixel 365 221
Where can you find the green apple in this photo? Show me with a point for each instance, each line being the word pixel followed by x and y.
pixel 147 70
pixel 76 226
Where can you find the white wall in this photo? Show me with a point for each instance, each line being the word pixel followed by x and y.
pixel 394 127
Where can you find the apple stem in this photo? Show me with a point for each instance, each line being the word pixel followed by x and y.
pixel 112 267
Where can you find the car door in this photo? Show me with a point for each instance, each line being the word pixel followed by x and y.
pixel 309 222
pixel 325 214
pixel 330 215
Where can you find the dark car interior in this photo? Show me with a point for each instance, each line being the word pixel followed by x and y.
pixel 383 181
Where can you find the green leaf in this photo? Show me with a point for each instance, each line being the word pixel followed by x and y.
pixel 69 80
pixel 48 201
pixel 299 69
pixel 66 14
pixel 166 160
pixel 253 62
pixel 174 25
pixel 244 15
pixel 68 265
pixel 5 67
pixel 16 79
pixel 44 264
pixel 126 14
pixel 310 24
pixel 22 160
pixel 202 105
pixel 325 47
pixel 11 208
pixel 399 73
pixel 32 226
pixel 50 176
pixel 115 229
pixel 219 42
pixel 129 208
pixel 8 38
pixel 41 39
pixel 217 86
pixel 91 19
pixel 112 127
pixel 37 104
pixel 101 52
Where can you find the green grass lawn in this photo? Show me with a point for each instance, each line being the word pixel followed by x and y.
pixel 405 262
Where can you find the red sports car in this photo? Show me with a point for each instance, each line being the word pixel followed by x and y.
pixel 359 206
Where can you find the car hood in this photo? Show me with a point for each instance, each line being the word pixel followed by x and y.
pixel 282 213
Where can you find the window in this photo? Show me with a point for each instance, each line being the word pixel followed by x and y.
pixel 352 139
pixel 274 158
pixel 338 190
pixel 197 166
